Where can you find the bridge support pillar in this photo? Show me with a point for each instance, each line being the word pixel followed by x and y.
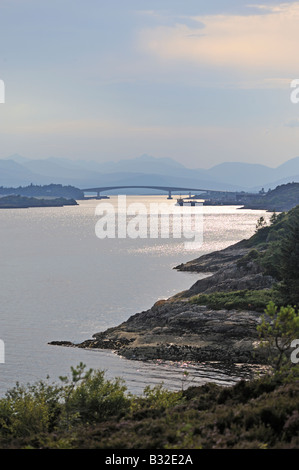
pixel 169 195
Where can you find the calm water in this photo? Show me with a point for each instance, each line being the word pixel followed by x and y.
pixel 60 282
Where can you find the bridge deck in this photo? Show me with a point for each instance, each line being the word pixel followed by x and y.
pixel 159 188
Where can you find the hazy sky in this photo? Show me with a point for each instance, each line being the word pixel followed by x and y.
pixel 201 82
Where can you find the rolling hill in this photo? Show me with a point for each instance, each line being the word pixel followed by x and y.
pixel 228 176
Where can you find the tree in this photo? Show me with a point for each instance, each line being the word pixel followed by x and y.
pixel 277 331
pixel 261 223
pixel 273 218
pixel 289 261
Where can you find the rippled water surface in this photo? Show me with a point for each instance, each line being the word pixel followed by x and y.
pixel 58 281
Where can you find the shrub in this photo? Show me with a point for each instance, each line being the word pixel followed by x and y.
pixel 155 399
pixel 239 300
pixel 89 397
pixel 86 397
pixel 32 410
pixel 252 255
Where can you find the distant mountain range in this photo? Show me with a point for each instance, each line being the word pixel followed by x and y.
pixel 229 176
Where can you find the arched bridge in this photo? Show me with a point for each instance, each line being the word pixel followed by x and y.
pixel 168 189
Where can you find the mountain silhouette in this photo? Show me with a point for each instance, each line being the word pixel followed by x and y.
pixel 17 170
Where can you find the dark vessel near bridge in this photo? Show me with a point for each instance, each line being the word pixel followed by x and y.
pixel 189 202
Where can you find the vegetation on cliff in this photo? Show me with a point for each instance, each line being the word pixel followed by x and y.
pixel 256 300
pixel 274 251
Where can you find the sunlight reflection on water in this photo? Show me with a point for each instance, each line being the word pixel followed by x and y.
pixel 60 282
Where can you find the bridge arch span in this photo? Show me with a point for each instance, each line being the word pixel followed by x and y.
pixel 167 189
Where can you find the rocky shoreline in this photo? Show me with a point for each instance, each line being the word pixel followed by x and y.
pixel 179 330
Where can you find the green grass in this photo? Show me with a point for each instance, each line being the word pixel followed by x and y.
pixel 240 300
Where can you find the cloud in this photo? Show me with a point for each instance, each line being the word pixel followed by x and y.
pixel 254 42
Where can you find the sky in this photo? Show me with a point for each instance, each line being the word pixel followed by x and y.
pixel 200 82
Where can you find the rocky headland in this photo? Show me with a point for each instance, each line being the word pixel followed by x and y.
pixel 230 269
pixel 179 329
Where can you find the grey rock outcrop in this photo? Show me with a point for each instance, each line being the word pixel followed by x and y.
pixel 216 260
pixel 226 273
pixel 184 331
pixel 176 329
